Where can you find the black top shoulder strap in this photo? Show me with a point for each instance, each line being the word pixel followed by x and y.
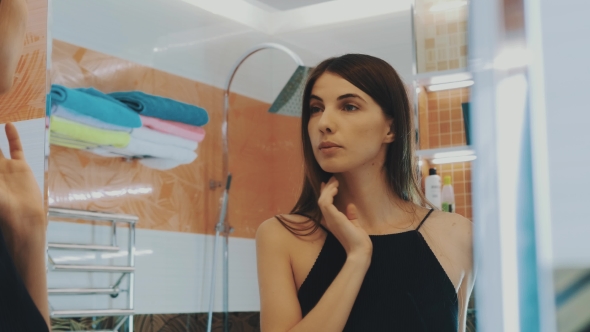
pixel 423 220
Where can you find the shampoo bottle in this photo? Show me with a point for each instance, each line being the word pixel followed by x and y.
pixel 432 188
pixel 448 195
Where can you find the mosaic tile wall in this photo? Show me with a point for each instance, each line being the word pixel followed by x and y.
pixel 441 35
pixel 445 119
pixel 445 128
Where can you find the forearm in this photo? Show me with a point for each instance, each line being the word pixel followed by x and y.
pixel 29 258
pixel 333 309
pixel 13 20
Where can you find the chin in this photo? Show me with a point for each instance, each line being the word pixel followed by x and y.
pixel 331 166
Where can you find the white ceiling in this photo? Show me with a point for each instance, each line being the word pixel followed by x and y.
pixel 274 5
pixel 179 37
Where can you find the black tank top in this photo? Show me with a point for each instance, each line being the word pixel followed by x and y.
pixel 405 288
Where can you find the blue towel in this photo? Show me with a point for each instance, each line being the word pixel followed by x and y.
pixel 93 103
pixel 163 108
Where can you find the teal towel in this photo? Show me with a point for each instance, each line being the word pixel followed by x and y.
pixel 93 103
pixel 163 108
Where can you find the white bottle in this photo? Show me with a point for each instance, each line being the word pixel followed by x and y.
pixel 432 188
pixel 448 196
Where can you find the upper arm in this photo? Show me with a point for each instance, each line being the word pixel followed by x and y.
pixel 463 236
pixel 279 306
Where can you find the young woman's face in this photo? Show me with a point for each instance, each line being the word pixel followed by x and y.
pixel 345 116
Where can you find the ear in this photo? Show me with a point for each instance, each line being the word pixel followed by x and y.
pixel 390 136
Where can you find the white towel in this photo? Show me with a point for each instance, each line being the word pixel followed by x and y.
pixel 72 115
pixel 155 163
pixel 150 135
pixel 141 148
pixel 159 163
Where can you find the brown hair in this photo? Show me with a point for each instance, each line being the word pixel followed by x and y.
pixel 379 80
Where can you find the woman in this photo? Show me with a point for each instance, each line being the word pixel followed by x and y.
pixel 359 252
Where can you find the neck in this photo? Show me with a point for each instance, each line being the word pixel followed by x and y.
pixel 377 207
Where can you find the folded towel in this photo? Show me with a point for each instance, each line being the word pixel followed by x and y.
pixel 183 130
pixel 64 113
pixel 163 108
pixel 87 102
pixel 150 135
pixel 63 140
pixel 100 94
pixel 159 163
pixel 155 163
pixel 84 133
pixel 141 148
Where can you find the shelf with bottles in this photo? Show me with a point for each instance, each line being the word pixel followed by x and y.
pixel 447 155
pixel 444 80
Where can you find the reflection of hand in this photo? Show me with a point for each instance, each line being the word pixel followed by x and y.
pixel 345 228
pixel 23 221
pixel 22 215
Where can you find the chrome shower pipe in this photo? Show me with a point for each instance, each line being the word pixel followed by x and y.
pixel 222 225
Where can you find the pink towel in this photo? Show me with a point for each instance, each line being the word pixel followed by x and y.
pixel 183 130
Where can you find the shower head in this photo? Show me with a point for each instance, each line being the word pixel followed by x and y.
pixel 289 100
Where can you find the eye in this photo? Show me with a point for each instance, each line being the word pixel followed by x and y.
pixel 314 109
pixel 350 107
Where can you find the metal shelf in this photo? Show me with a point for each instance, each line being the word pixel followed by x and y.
pixel 92 268
pixel 92 247
pixel 83 291
pixel 127 271
pixel 448 155
pixel 91 313
pixel 441 77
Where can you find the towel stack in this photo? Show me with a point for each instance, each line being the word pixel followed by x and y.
pixel 162 132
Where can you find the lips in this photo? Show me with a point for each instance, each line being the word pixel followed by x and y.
pixel 325 145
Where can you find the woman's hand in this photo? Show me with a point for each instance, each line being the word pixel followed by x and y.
pixel 346 228
pixel 22 214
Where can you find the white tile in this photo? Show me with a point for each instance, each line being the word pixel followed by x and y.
pixel 173 270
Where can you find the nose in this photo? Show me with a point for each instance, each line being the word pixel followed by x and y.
pixel 326 123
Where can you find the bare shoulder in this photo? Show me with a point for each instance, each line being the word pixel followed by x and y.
pixel 275 231
pixel 453 226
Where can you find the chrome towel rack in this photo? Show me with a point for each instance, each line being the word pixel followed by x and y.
pixel 126 271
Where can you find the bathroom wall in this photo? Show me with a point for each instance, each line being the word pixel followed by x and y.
pixel 266 164
pixel 442 126
pixel 25 103
pixel 177 209
pixel 441 35
pixel 441 45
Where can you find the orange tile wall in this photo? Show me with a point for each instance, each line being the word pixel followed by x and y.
pixel 265 158
pixel 445 128
pixel 441 36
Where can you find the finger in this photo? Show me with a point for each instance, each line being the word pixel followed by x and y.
pixel 14 144
pixel 351 212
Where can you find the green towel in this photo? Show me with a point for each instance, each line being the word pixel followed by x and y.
pixel 89 134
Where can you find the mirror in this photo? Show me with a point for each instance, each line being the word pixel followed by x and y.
pixel 184 51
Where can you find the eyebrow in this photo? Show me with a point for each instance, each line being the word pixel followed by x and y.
pixel 348 95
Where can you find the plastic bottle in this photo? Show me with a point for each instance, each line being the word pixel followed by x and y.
pixel 448 195
pixel 432 188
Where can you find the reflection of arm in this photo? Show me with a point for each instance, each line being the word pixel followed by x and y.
pixel 279 306
pixel 23 223
pixel 13 20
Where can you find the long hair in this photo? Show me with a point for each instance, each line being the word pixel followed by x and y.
pixel 379 80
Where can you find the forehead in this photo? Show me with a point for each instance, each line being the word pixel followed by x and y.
pixel 330 86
